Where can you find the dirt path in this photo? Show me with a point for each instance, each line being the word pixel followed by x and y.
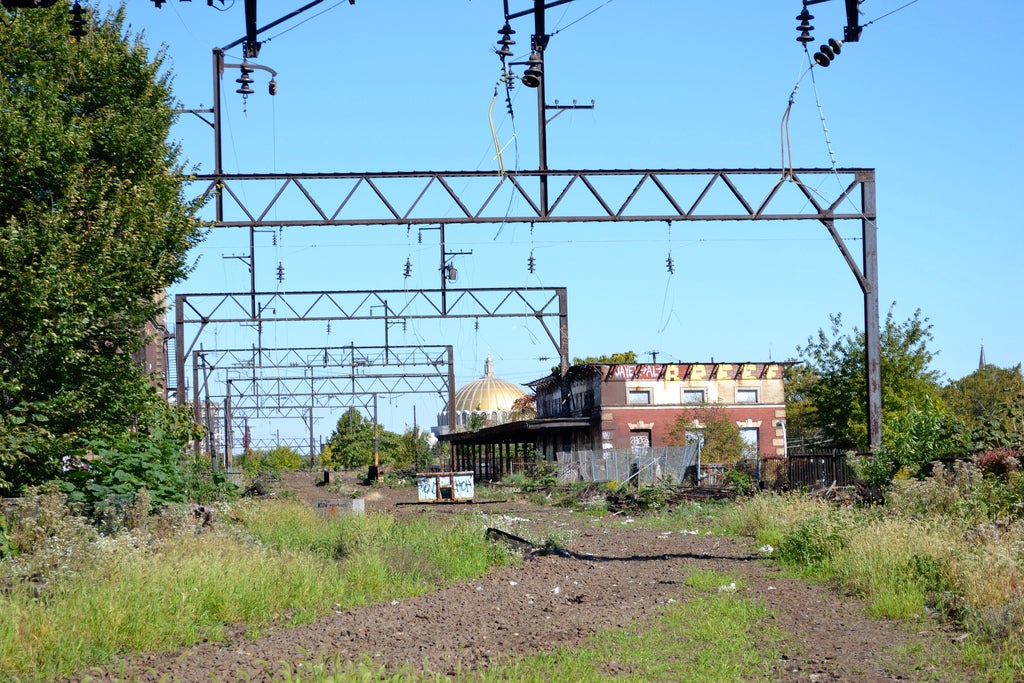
pixel 614 576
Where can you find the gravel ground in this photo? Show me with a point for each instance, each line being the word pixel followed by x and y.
pixel 613 575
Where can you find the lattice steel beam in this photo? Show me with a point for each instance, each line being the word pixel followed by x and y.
pixel 454 197
pixel 537 303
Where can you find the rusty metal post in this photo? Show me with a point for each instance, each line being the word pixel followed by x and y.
pixel 218 165
pixel 227 427
pixel 872 331
pixel 452 421
pixel 179 350
pixel 563 331
pixel 195 400
pixel 540 41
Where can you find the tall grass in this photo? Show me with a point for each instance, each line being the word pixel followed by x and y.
pixel 283 566
pixel 940 548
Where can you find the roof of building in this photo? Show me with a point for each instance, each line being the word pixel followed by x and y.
pixel 488 393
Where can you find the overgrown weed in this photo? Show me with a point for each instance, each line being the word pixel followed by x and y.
pixel 269 564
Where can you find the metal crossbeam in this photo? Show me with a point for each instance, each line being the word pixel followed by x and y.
pixel 248 372
pixel 349 355
pixel 321 392
pixel 583 196
pixel 538 303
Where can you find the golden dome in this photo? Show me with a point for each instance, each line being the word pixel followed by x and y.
pixel 488 394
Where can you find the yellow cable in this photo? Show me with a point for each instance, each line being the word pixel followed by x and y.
pixel 494 134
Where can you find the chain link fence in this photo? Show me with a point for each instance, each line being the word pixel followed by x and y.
pixel 647 465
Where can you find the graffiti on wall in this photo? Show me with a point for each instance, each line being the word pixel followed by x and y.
pixel 672 372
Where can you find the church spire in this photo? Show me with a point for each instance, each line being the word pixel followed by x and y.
pixel 489 367
pixel 981 360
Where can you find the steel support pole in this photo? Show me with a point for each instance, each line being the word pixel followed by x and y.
pixel 452 422
pixel 227 427
pixel 563 331
pixel 218 165
pixel 872 331
pixel 540 41
pixel 196 415
pixel 312 403
pixel 179 351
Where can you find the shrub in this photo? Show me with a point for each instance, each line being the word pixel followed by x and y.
pixel 999 461
pixel 812 543
pixel 276 460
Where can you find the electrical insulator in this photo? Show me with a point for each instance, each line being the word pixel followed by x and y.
pixel 77 21
pixel 245 80
pixel 827 52
pixel 534 71
pixel 670 264
pixel 280 272
pixel 531 263
pixel 506 42
pixel 272 87
pixel 408 267
pixel 805 27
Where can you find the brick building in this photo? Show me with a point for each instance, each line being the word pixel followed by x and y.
pixel 600 406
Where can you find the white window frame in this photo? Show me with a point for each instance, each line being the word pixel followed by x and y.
pixel 693 392
pixel 746 392
pixel 751 447
pixel 636 393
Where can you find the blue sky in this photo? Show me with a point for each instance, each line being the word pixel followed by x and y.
pixel 930 97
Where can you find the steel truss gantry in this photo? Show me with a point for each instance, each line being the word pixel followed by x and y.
pixel 637 196
pixel 583 196
pixel 257 384
pixel 538 303
pixel 251 200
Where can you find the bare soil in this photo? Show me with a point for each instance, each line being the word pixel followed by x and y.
pixel 611 576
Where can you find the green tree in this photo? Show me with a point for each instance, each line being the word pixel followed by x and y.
pixel 413 450
pixel 830 395
pixel 913 440
pixel 720 437
pixel 93 227
pixel 277 459
pixel 980 398
pixel 351 443
pixel 625 357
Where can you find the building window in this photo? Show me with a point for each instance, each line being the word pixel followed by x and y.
pixel 746 395
pixel 638 397
pixel 749 436
pixel 693 395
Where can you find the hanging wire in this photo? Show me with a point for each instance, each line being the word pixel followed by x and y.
pixel 494 130
pixel 669 263
pixel 408 251
pixel 298 24
pixel 824 124
pixel 531 262
pixel 889 13
pixel 605 3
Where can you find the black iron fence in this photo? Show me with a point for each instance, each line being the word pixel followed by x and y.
pixel 820 468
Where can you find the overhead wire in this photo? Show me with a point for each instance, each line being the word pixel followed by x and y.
pixel 786 141
pixel 576 21
pixel 300 23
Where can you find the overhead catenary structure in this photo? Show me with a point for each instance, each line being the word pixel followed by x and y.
pixel 241 200
pixel 856 202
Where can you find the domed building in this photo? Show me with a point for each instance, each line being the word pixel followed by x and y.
pixel 489 395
